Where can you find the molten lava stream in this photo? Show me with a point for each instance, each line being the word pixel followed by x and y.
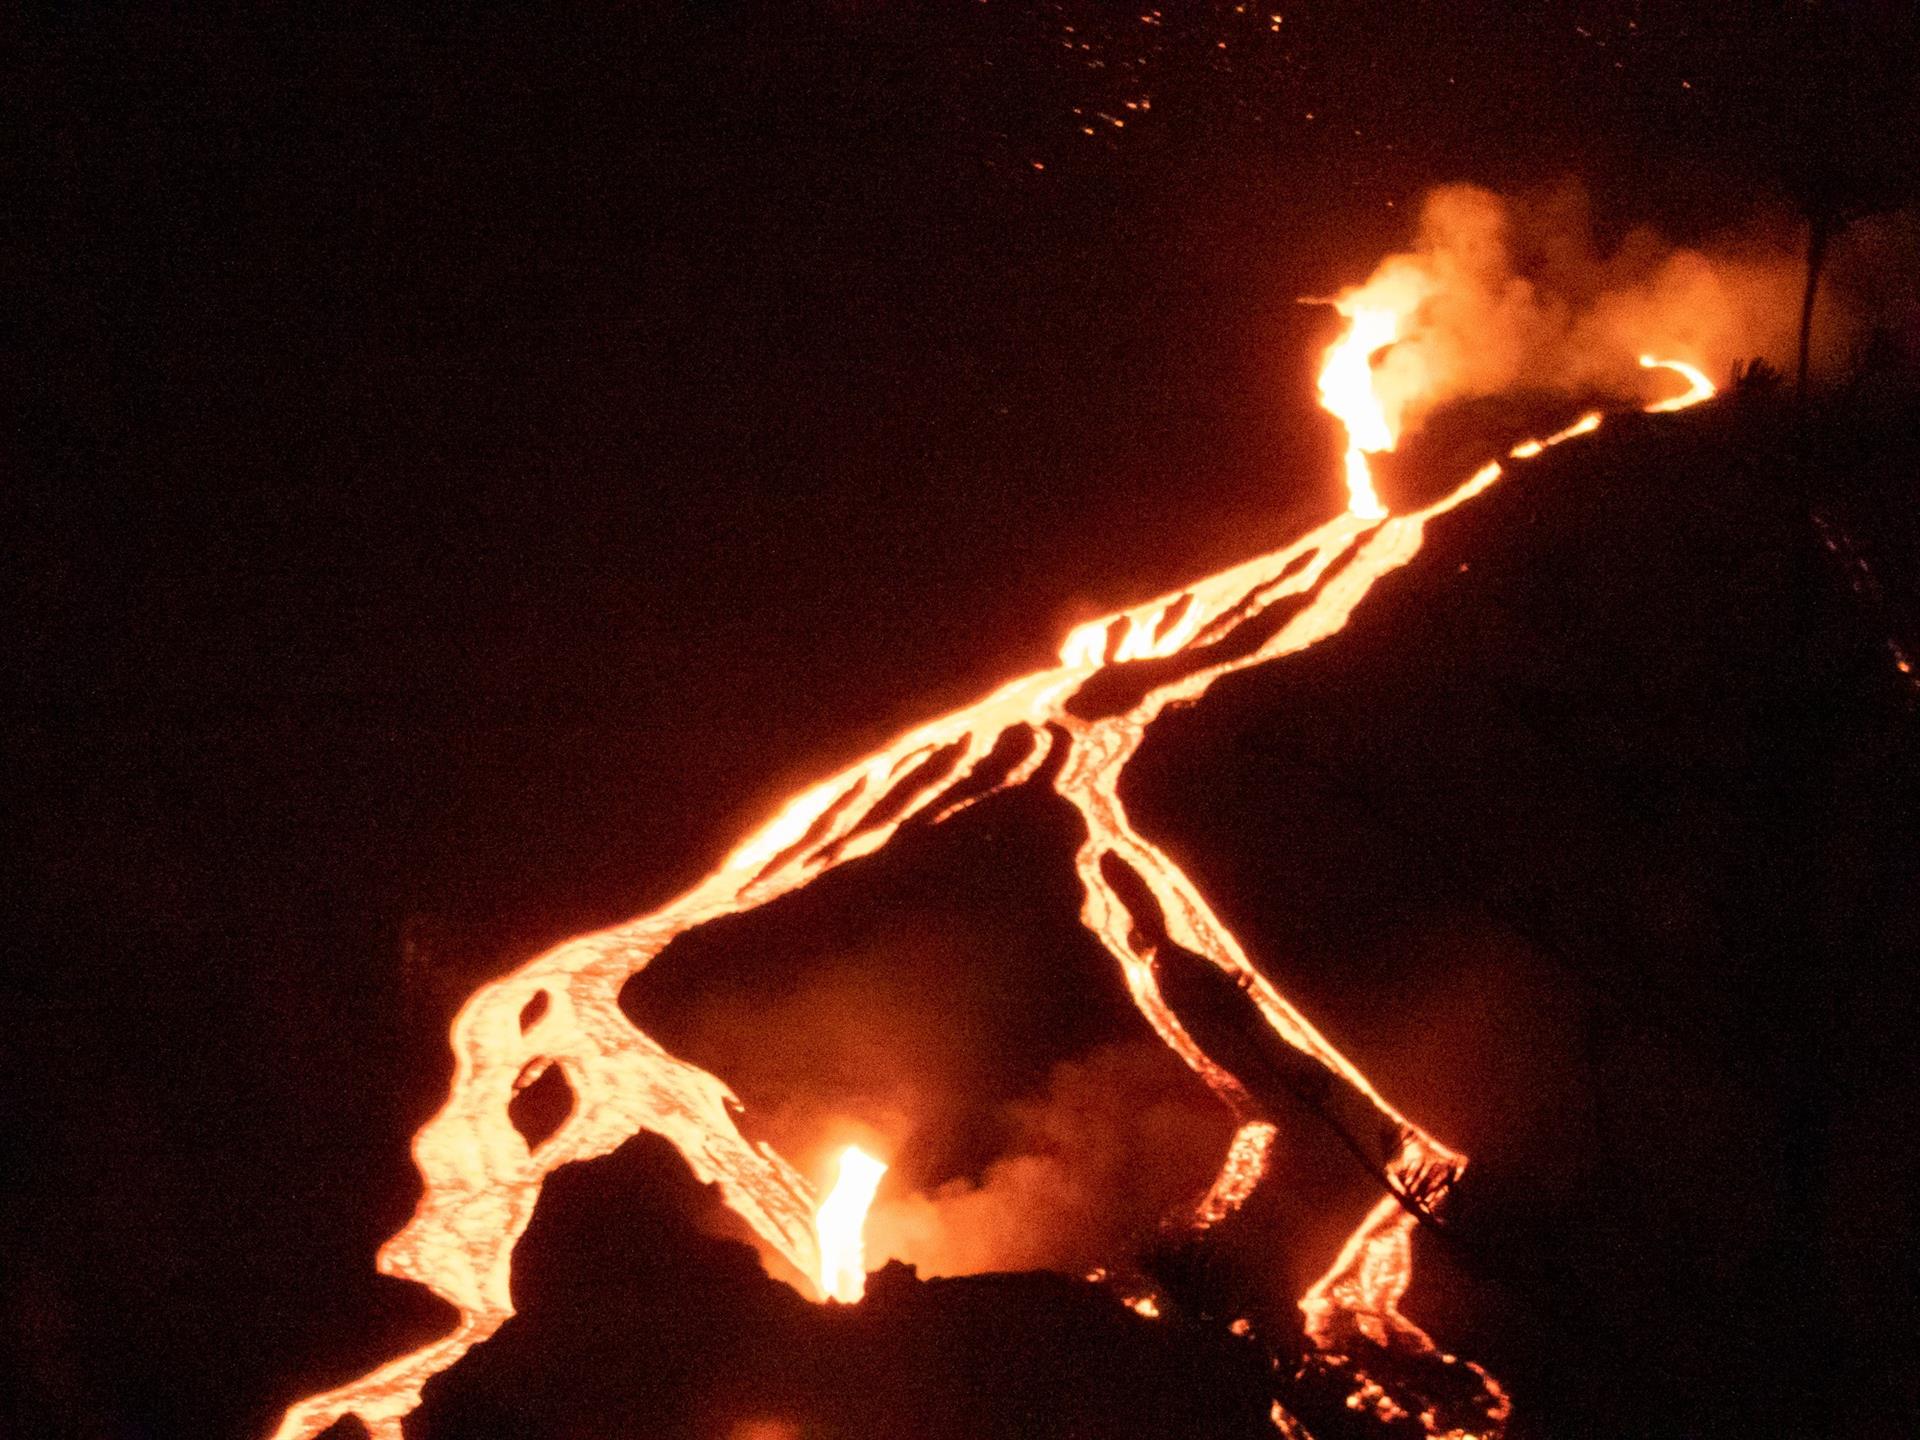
pixel 481 1181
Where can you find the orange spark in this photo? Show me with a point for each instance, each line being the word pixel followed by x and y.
pixel 839 1222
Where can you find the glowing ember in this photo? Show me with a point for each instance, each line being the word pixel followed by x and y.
pixel 841 1218
pixel 481 1181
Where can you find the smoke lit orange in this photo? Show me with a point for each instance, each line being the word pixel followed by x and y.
pixel 481 1181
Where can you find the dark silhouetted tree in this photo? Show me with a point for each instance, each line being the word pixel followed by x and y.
pixel 1843 118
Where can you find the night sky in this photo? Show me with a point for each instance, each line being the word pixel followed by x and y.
pixel 467 472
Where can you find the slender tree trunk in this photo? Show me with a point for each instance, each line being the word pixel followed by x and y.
pixel 1820 230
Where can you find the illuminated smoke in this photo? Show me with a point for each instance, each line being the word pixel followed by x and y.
pixel 1499 295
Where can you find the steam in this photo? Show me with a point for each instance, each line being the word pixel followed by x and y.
pixel 1511 294
pixel 1094 1163
pixel 994 1163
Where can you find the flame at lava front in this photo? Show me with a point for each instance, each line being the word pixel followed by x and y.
pixel 1377 314
pixel 839 1222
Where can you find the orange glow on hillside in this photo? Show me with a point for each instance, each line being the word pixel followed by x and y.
pixel 839 1222
pixel 480 1181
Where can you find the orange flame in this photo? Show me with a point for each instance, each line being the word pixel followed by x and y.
pixel 839 1222
pixel 1353 392
pixel 1245 1164
pixel 481 1181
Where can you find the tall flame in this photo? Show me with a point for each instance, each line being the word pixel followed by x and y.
pixel 1367 406
pixel 839 1222
pixel 1346 390
pixel 481 1181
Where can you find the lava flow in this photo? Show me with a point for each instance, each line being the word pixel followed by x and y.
pixel 481 1181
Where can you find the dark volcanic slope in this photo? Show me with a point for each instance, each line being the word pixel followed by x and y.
pixel 681 1335
pixel 1619 897
pixel 1616 898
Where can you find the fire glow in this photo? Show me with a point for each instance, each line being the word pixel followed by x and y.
pixel 839 1222
pixel 481 1180
pixel 1349 392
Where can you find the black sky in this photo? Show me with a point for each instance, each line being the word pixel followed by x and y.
pixel 465 471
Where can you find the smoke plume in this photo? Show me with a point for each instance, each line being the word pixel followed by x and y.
pixel 1094 1163
pixel 1517 294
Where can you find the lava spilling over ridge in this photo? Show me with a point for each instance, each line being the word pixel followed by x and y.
pixel 481 1180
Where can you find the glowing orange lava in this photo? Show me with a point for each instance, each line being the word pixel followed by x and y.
pixel 481 1181
pixel 1358 1300
pixel 1699 387
pixel 839 1222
